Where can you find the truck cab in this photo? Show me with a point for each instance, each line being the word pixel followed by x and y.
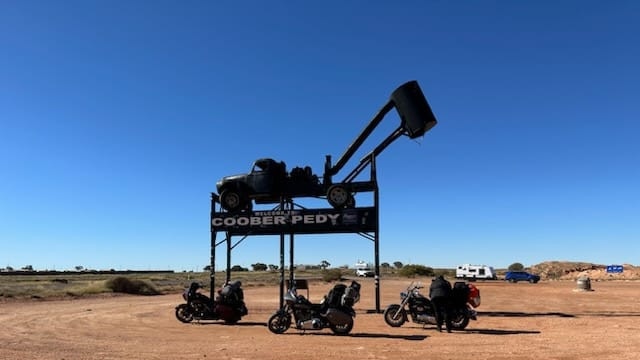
pixel 267 181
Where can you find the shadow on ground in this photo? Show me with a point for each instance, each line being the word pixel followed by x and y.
pixel 557 314
pixel 361 335
pixel 498 332
pixel 240 323
pixel 521 314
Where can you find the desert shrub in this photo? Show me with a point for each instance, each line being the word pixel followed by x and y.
pixel 238 268
pixel 416 270
pixel 125 285
pixel 331 275
pixel 516 267
pixel 444 272
pixel 555 274
pixel 259 267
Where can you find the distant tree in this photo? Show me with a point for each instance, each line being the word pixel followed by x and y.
pixel 273 267
pixel 9 268
pixel 324 264
pixel 27 268
pixel 259 267
pixel 79 267
pixel 207 268
pixel 385 265
pixel 238 268
pixel 397 264
pixel 516 267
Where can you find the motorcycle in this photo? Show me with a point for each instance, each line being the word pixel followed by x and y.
pixel 228 306
pixel 464 298
pixel 335 311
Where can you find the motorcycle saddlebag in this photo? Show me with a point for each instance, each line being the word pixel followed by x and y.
pixel 225 312
pixel 474 296
pixel 459 293
pixel 336 316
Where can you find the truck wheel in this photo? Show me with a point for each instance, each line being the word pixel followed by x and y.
pixel 231 200
pixel 338 196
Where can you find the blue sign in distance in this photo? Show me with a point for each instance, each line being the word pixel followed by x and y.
pixel 614 268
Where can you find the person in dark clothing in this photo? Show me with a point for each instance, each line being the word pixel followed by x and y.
pixel 440 294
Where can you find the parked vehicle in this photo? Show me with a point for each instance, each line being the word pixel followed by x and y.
pixel 472 272
pixel 335 311
pixel 228 306
pixel 365 272
pixel 465 297
pixel 515 276
pixel 268 180
pixel 363 269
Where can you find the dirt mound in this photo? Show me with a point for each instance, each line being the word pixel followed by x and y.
pixel 567 270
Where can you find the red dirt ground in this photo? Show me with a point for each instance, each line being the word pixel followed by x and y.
pixel 548 320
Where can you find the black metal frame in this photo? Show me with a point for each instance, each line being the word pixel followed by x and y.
pixel 368 229
pixel 416 119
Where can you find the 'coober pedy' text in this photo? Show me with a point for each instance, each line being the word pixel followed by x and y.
pixel 275 220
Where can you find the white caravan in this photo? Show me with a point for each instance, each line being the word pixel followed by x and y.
pixel 468 271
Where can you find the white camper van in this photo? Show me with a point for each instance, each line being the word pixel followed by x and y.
pixel 468 271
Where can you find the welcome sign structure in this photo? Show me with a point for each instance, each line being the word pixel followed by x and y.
pixel 236 216
pixel 298 221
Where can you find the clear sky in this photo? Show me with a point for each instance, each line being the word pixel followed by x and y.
pixel 118 117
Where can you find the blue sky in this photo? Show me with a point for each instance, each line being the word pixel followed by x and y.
pixel 118 117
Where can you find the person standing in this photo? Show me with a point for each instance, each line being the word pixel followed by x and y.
pixel 440 294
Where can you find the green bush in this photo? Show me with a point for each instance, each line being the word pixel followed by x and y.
pixel 416 270
pixel 125 285
pixel 331 275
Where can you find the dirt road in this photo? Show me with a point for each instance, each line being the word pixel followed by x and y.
pixel 548 320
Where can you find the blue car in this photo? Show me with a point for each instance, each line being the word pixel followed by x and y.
pixel 515 276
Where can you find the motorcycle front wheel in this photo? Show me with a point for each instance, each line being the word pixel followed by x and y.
pixel 279 322
pixel 184 314
pixel 394 315
pixel 342 329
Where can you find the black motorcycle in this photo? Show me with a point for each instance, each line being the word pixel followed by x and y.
pixel 335 311
pixel 228 306
pixel 464 298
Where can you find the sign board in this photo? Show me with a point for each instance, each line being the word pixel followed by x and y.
pixel 305 221
pixel 614 269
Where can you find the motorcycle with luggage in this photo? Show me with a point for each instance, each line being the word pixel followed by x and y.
pixel 465 298
pixel 335 311
pixel 228 305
